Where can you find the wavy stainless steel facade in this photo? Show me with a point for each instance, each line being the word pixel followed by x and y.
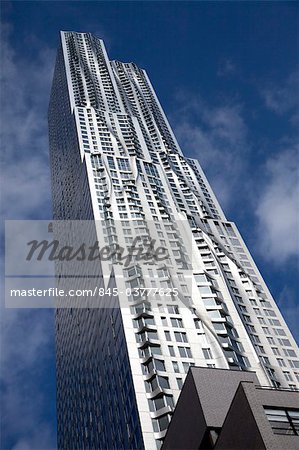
pixel 116 161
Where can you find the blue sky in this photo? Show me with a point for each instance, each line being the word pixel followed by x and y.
pixel 227 76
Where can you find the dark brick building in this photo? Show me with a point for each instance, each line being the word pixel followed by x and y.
pixel 221 410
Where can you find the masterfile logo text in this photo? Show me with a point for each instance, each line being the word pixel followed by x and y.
pixel 139 250
pixel 76 264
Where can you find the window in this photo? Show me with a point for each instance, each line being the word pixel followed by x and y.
pixel 173 309
pixel 111 162
pixel 207 353
pixel 214 314
pixel 288 376
pixel 162 273
pixel 293 363
pixel 185 352
pixel 157 381
pixel 279 332
pixel 160 402
pixel 143 307
pixel 164 321
pixel 255 338
pixel 209 302
pixel 274 322
pixel 155 350
pixel 175 366
pixel 178 323
pixel 155 364
pixel 186 366
pixel 289 352
pixel 171 350
pixel 180 337
pixel 179 383
pixel 281 362
pixel 201 278
pixel 275 351
pixel 167 335
pixel 266 330
pixel 219 326
pixel 197 324
pixel 285 342
pixel 148 335
pixel 261 320
pixel 205 290
pixel 123 164
pixel 163 382
pixel 143 322
pixel 265 359
pixel 283 421
pixel 161 424
pixel 159 364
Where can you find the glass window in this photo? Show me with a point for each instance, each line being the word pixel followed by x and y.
pixel 167 335
pixel 209 302
pixel 186 366
pixel 178 323
pixel 289 352
pixel 161 402
pixel 288 376
pixel 171 350
pixel 185 352
pixel 159 364
pixel 179 383
pixel 173 309
pixel 155 350
pixel 207 353
pixel 160 424
pixel 163 382
pixel 281 362
pixel 180 337
pixel 215 314
pixel 176 367
pixel 205 290
pixel 283 421
pixel 197 324
pixel 201 278
pixel 123 164
pixel 219 326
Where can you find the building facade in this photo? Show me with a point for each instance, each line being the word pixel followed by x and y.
pixel 208 416
pixel 116 164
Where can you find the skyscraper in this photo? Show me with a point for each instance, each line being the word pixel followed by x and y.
pixel 116 163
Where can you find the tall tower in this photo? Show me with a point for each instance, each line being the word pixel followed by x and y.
pixel 116 163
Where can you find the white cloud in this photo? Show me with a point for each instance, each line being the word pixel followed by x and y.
pixel 284 98
pixel 41 438
pixel 277 209
pixel 27 336
pixel 217 136
pixel 24 137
